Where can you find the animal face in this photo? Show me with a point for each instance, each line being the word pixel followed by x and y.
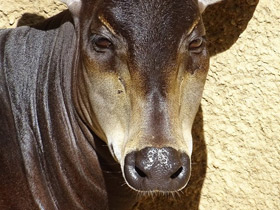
pixel 143 66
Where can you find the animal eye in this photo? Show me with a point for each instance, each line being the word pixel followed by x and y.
pixel 196 45
pixel 101 43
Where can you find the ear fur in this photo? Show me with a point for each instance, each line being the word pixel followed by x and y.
pixel 204 3
pixel 74 6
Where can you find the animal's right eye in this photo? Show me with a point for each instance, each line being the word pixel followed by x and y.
pixel 101 44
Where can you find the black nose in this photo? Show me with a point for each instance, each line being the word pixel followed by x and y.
pixel 157 169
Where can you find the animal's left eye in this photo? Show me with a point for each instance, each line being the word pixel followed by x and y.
pixel 196 45
pixel 101 43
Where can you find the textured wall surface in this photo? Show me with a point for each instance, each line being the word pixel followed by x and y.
pixel 241 107
pixel 236 160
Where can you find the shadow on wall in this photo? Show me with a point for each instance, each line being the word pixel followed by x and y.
pixel 30 19
pixel 224 22
pixel 190 197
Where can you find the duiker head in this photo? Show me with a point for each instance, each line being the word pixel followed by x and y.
pixel 143 65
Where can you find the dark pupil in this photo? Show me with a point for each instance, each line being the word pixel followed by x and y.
pixel 196 43
pixel 103 43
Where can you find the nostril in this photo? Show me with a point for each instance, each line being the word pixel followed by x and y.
pixel 177 173
pixel 157 169
pixel 140 172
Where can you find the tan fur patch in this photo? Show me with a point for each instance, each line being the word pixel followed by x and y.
pixel 107 24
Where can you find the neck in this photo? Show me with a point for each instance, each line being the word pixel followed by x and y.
pixel 62 167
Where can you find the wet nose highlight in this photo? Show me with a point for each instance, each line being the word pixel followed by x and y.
pixel 157 169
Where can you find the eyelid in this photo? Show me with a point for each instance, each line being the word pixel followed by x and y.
pixel 102 31
pixel 106 24
pixel 193 27
pixel 202 37
pixel 197 31
pixel 200 46
pixel 199 39
pixel 98 37
pixel 184 46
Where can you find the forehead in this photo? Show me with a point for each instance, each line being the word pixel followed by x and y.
pixel 164 17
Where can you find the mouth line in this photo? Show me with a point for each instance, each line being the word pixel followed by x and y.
pixel 152 193
pixel 156 191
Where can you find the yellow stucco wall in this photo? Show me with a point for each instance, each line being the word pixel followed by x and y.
pixel 241 106
pixel 240 117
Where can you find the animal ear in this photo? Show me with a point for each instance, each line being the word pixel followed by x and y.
pixel 74 6
pixel 204 3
